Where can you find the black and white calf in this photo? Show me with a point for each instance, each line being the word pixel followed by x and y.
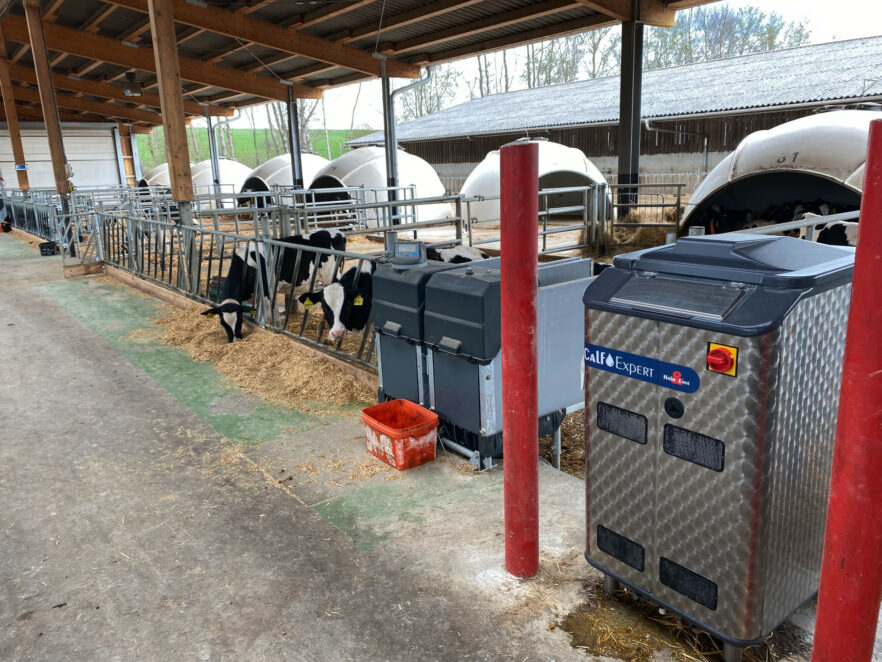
pixel 327 239
pixel 456 255
pixel 836 233
pixel 241 281
pixel 346 303
pixel 239 286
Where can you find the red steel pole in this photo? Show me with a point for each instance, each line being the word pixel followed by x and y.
pixel 851 571
pixel 519 172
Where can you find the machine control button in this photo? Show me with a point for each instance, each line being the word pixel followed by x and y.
pixel 674 407
pixel 722 359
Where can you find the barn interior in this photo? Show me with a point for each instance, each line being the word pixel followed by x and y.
pixel 200 465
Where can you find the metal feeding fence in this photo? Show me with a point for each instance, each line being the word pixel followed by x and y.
pixel 141 230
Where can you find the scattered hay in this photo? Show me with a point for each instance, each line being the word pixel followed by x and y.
pixel 144 336
pixel 458 464
pixel 369 466
pixel 572 445
pixel 308 468
pixel 627 627
pixel 267 364
pixel 26 238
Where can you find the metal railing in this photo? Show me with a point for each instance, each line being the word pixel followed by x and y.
pixel 810 225
pixel 140 230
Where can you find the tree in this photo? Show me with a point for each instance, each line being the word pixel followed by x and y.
pixel 602 52
pixel 555 61
pixel 719 31
pixel 494 75
pixel 433 96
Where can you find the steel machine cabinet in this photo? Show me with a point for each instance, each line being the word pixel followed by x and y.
pixel 713 368
pixel 439 344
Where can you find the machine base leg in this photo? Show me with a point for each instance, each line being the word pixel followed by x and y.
pixel 732 653
pixel 555 448
pixel 611 585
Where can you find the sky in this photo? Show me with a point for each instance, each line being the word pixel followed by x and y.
pixel 828 21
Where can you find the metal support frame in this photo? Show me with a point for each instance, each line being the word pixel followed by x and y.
pixel 294 140
pixel 629 110
pixel 391 143
pixel 120 159
pixel 212 151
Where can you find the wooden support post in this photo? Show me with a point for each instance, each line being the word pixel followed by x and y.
pixel 127 155
pixel 40 53
pixel 12 118
pixel 165 50
pixel 168 74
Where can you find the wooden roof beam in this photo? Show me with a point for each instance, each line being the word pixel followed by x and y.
pixel 331 11
pixel 50 12
pixel 189 33
pixel 107 91
pixel 93 23
pixel 546 8
pixel 109 50
pixel 249 9
pixel 221 53
pixel 33 113
pixel 20 52
pixel 652 12
pixel 86 68
pixel 343 80
pixel 97 107
pixel 548 32
pixel 269 62
pixel 135 31
pixel 403 19
pixel 287 40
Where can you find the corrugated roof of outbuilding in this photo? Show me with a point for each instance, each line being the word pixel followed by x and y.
pixel 836 71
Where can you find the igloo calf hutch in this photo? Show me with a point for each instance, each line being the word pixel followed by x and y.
pixel 365 168
pixel 559 167
pixel 812 164
pixel 713 368
pixel 277 172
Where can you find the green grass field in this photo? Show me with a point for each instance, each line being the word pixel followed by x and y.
pixel 151 148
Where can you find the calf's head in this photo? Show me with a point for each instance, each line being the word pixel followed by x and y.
pixel 229 313
pixel 337 305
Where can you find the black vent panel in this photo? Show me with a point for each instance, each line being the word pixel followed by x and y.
pixel 694 447
pixel 618 546
pixel 695 587
pixel 622 422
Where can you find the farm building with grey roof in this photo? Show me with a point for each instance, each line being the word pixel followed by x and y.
pixel 715 103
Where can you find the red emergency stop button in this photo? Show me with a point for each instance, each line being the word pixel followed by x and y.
pixel 721 359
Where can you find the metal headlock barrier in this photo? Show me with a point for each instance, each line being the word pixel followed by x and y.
pixel 140 230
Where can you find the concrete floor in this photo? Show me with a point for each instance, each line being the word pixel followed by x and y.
pixel 143 517
pixel 151 511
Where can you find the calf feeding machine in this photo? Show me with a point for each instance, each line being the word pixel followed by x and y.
pixel 439 344
pixel 713 368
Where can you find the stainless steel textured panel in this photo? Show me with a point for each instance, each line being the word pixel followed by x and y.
pixel 755 529
pixel 620 472
pixel 799 463
pixel 709 521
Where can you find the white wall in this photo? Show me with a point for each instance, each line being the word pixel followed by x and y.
pixel 90 150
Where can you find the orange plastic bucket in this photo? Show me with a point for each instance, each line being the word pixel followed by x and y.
pixel 401 433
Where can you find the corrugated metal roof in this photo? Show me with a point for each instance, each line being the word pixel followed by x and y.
pixel 824 72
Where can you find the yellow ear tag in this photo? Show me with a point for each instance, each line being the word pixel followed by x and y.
pixel 308 304
pixel 210 315
pixel 358 301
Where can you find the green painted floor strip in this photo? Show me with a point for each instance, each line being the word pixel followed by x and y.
pixel 121 318
pixel 377 512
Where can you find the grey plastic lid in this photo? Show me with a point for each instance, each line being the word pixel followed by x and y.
pixel 774 262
